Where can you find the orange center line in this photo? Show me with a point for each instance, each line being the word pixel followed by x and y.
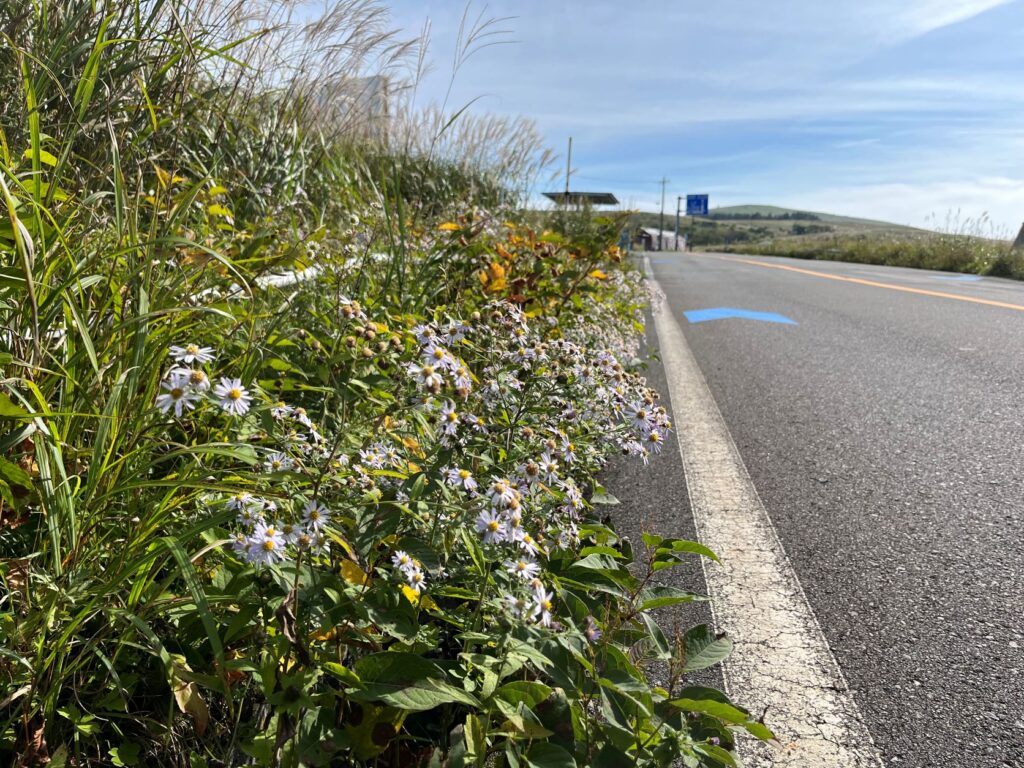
pixel 876 284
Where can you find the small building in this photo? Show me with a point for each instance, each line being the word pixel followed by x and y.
pixel 654 239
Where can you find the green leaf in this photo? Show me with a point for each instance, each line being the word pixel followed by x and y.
pixel 704 649
pixel 604 498
pixel 660 596
pixel 546 755
pixel 8 410
pixel 715 752
pixel 407 681
pixel 669 552
pixel 726 713
pixel 12 474
pixel 527 692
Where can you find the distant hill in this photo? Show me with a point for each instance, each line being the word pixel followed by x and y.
pixel 744 224
pixel 828 218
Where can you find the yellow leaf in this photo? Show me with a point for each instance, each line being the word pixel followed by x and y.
pixel 449 226
pixel 423 601
pixel 497 271
pixel 44 157
pixel 414 468
pixel 218 210
pixel 597 273
pixel 324 633
pixel 217 190
pixel 186 695
pixel 341 543
pixel 483 276
pixel 353 574
pixel 388 423
pixel 496 285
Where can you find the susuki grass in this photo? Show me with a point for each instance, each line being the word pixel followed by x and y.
pixel 972 246
pixel 299 435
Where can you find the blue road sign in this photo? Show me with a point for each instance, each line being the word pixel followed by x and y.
pixel 696 205
pixel 722 313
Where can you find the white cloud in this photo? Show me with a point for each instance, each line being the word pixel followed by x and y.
pixel 926 16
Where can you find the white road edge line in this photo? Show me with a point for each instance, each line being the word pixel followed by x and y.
pixel 782 663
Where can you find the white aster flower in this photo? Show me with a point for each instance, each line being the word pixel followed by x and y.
pixel 281 409
pixel 266 545
pixel 176 395
pixel 542 606
pixel 523 567
pixel 195 378
pixel 192 353
pixel 456 477
pixel 416 579
pixel 427 376
pixel 316 515
pixel 233 397
pixel 490 526
pixel 403 561
pixel 291 532
pixel 502 493
pixel 449 418
pixel 278 462
pixel 517 605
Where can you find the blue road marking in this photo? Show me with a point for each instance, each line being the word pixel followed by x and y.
pixel 722 313
pixel 958 278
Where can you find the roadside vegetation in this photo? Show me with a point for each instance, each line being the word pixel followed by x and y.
pixel 948 252
pixel 301 421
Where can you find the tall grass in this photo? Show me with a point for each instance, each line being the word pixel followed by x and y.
pixel 144 146
pixel 973 246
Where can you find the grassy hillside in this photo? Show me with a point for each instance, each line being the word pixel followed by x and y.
pixel 774 211
pixel 776 231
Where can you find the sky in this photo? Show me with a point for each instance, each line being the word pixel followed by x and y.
pixel 910 111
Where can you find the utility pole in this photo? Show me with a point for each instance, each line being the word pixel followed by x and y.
pixel 661 225
pixel 679 201
pixel 568 171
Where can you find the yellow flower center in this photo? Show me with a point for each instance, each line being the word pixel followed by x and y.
pixel 493 526
pixel 465 474
pixel 234 393
pixel 192 349
pixel 268 545
pixel 452 416
pixel 197 377
pixel 177 393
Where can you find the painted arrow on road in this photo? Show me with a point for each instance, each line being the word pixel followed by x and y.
pixel 959 278
pixel 722 313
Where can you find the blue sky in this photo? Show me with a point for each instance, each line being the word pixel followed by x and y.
pixel 905 110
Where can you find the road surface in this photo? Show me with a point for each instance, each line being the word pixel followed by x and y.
pixel 883 430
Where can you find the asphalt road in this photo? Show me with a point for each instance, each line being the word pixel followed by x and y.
pixel 884 433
